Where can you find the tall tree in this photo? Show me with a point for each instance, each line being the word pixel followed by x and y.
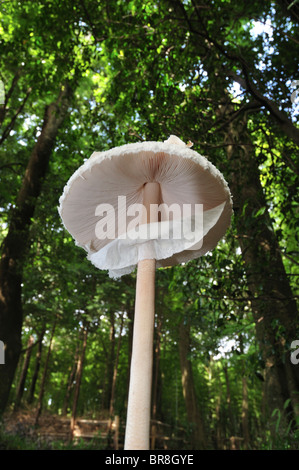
pixel 45 374
pixel 78 378
pixel 21 385
pixel 15 244
pixel 273 303
pixel 71 380
pixel 37 366
pixel 198 439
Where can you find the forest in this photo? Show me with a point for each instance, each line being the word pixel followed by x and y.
pixel 79 76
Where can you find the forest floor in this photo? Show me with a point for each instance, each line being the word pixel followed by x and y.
pixel 52 432
pixel 18 430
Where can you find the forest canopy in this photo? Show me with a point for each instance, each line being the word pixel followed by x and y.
pixel 84 76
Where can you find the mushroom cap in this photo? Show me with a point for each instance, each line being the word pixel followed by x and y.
pixel 110 183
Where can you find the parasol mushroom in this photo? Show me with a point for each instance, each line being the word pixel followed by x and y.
pixel 183 206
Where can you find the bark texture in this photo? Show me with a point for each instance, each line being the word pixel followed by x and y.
pixel 273 305
pixel 15 244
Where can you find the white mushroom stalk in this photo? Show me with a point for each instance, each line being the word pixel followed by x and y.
pixel 107 207
pixel 139 401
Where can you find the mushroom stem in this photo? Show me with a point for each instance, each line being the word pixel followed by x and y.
pixel 139 401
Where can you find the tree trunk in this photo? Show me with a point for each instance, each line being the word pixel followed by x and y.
pixel 8 94
pixel 245 426
pixel 273 305
pixel 219 426
pixel 245 404
pixel 110 357
pixel 113 389
pixel 70 383
pixel 231 421
pixel 110 361
pixel 43 381
pixel 79 373
pixel 21 386
pixel 37 367
pixel 11 124
pixel 15 244
pixel 198 440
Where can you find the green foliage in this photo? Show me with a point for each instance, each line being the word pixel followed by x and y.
pixel 16 442
pixel 144 70
pixel 284 436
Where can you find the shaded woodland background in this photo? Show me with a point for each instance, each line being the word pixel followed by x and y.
pixel 88 75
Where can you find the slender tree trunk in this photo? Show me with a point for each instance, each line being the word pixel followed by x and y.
pixel 44 377
pixel 193 412
pixel 37 367
pixel 245 407
pixel 113 388
pixel 15 244
pixel 110 356
pixel 231 427
pixel 110 361
pixel 12 122
pixel 21 386
pixel 79 373
pixel 245 403
pixel 8 94
pixel 274 307
pixel 70 383
pixel 219 430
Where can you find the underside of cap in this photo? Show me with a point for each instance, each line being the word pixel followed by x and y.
pixel 116 178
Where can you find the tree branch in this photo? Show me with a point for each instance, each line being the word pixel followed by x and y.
pixel 281 118
pixel 10 165
pixel 10 126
